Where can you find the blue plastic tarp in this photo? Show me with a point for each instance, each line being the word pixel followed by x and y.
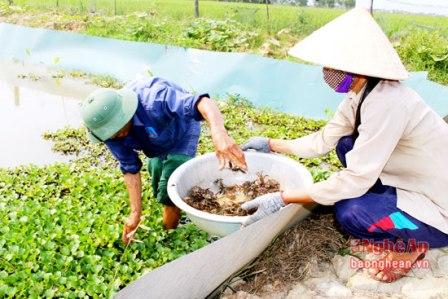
pixel 282 85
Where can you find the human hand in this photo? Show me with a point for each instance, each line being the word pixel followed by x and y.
pixel 130 227
pixel 265 204
pixel 260 144
pixel 228 151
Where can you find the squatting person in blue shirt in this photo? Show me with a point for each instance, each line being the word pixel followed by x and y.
pixel 162 120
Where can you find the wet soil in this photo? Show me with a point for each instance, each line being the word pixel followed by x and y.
pixel 227 201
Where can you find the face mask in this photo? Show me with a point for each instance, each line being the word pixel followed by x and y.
pixel 339 81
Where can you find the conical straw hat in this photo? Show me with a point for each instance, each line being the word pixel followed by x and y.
pixel 353 43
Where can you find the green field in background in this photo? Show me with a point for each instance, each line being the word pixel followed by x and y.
pixel 251 14
pixel 421 40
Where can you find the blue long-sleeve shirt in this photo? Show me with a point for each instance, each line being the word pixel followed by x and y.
pixel 167 121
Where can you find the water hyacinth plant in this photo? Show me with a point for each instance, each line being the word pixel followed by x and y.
pixel 61 224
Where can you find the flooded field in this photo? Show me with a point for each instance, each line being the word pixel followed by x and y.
pixel 26 113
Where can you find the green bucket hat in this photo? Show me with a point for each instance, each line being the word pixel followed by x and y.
pixel 106 111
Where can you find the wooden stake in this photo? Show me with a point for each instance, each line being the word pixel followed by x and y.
pixel 268 16
pixel 196 8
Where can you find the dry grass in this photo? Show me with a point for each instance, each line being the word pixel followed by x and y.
pixel 288 260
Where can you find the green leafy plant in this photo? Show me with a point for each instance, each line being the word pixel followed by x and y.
pixel 424 50
pixel 8 9
pixel 60 225
pixel 105 81
pixel 232 27
pixel 225 35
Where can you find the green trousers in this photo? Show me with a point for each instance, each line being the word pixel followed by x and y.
pixel 161 170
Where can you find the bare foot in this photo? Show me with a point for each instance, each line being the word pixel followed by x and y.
pixel 395 265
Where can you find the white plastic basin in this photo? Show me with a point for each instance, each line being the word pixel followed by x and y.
pixel 203 171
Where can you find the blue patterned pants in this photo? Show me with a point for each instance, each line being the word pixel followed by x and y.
pixel 374 216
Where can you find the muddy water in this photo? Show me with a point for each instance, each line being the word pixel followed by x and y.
pixel 25 113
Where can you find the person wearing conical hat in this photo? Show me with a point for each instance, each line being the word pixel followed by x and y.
pixel 393 192
pixel 162 120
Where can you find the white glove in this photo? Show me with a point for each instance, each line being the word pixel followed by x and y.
pixel 259 144
pixel 266 205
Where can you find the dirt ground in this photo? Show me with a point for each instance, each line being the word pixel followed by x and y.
pixel 292 255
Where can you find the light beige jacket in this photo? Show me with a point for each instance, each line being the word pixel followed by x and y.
pixel 401 140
